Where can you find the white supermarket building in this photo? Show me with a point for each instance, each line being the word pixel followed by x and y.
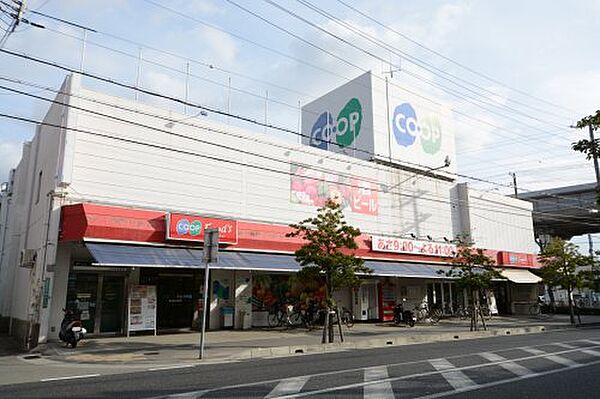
pixel 106 211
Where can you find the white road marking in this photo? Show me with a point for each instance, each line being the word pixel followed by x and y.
pixel 534 351
pixel 382 390
pixel 288 386
pixel 406 377
pixel 555 358
pixel 507 381
pixel 506 364
pixel 71 377
pixel 175 366
pixel 563 345
pixel 187 395
pixel 456 378
pixel 591 352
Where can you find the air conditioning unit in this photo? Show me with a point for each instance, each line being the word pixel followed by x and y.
pixel 28 258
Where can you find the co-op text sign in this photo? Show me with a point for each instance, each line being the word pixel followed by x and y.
pixel 367 119
pixel 191 228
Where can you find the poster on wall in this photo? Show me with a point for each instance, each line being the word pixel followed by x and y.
pixel 314 187
pixel 141 309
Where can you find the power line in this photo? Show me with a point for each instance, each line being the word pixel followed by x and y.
pixel 375 56
pixel 254 166
pixel 473 71
pixel 416 61
pixel 199 106
pixel 300 38
pixel 291 106
pixel 302 61
pixel 202 141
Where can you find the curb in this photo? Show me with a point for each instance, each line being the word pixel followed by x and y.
pixel 383 342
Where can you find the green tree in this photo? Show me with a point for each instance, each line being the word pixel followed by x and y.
pixel 328 254
pixel 589 147
pixel 472 270
pixel 560 260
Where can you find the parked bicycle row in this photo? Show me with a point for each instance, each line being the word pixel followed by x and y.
pixel 312 314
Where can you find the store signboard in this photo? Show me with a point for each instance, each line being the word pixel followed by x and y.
pixel 514 259
pixel 141 309
pixel 191 228
pixel 372 117
pixel 415 247
pixel 342 120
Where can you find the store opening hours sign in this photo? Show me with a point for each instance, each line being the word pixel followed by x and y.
pixel 191 228
pixel 416 247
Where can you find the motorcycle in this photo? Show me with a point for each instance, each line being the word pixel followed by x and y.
pixel 71 330
pixel 404 316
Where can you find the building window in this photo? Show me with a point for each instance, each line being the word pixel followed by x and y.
pixel 39 188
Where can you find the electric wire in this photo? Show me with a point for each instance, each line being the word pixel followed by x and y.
pixel 377 57
pixel 253 166
pixel 171 133
pixel 237 36
pixel 461 65
pixel 422 64
pixel 175 12
pixel 178 100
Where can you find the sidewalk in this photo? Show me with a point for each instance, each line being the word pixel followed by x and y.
pixel 233 345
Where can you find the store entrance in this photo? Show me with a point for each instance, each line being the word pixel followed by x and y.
pixel 177 294
pixel 99 298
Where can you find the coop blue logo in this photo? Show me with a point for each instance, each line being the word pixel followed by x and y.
pixel 342 130
pixel 407 128
pixel 183 226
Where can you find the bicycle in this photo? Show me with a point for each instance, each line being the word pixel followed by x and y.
pixel 347 318
pixel 424 312
pixel 463 313
pixel 535 309
pixel 283 316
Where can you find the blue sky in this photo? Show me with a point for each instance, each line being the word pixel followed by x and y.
pixel 544 49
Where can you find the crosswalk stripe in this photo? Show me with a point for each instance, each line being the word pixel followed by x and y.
pixel 382 390
pixel 534 351
pixel 563 345
pixel 591 352
pixel 513 367
pixel 555 358
pixel 288 386
pixel 457 379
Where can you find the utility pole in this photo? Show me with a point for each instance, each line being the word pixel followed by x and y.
pixel 211 253
pixel 514 176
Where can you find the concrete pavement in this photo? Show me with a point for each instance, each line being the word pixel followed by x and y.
pixel 233 345
pixel 118 355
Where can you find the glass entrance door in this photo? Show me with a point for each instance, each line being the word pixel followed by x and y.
pixel 113 301
pixel 82 289
pixel 99 298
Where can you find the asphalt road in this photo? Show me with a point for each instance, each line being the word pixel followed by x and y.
pixel 554 364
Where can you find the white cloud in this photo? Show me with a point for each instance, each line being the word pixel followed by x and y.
pixel 446 20
pixel 216 45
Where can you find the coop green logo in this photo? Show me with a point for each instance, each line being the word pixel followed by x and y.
pixel 342 130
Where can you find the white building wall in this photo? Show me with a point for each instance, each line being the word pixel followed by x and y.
pixel 253 184
pixel 30 226
pixel 498 222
